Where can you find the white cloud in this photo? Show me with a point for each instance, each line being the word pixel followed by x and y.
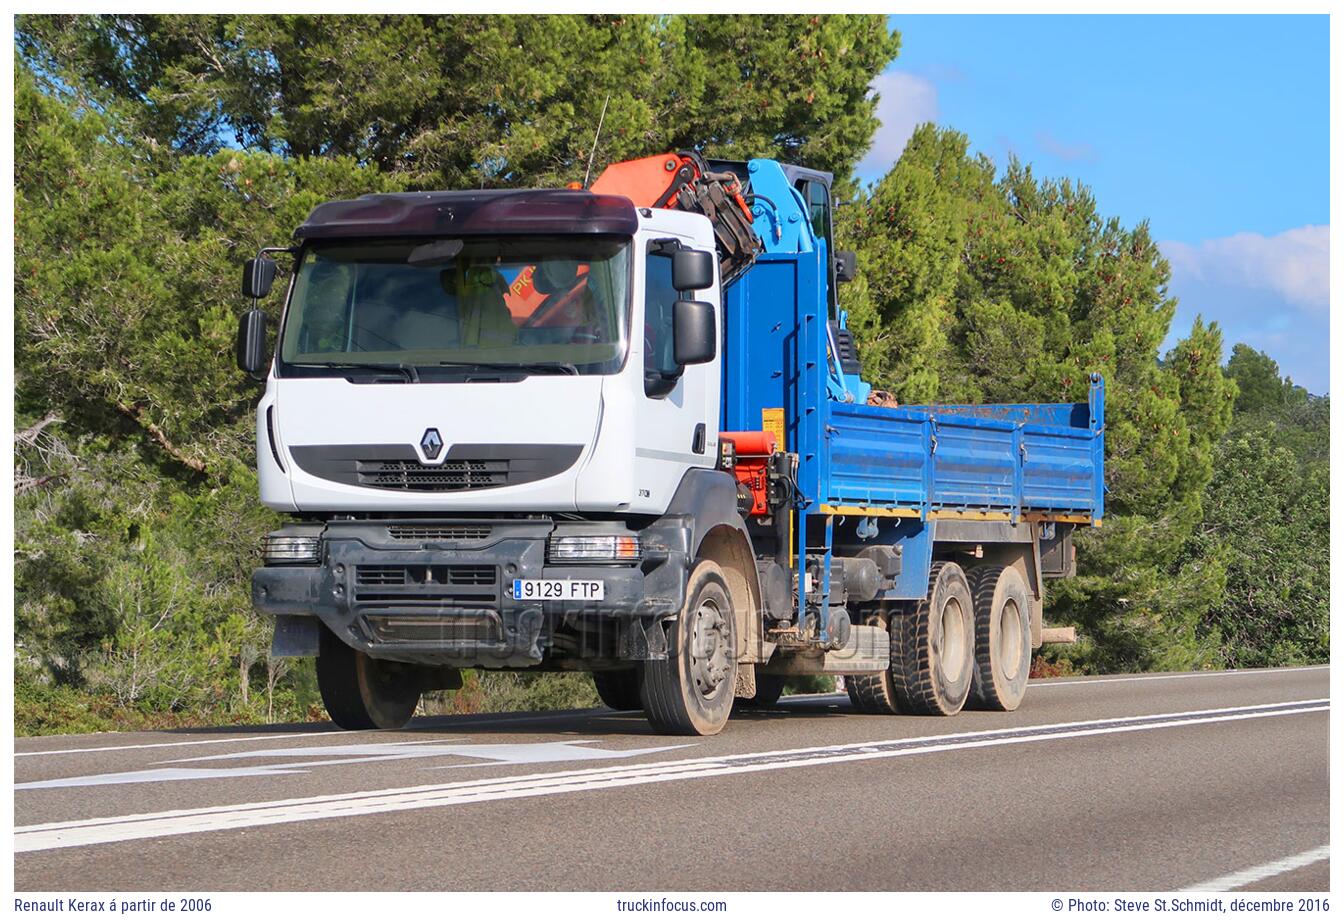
pixel 1294 264
pixel 1064 150
pixel 905 102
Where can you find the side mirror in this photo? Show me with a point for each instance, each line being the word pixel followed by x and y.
pixel 692 270
pixel 258 276
pixel 251 348
pixel 846 266
pixel 694 337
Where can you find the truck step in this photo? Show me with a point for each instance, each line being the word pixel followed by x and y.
pixel 1059 635
pixel 868 651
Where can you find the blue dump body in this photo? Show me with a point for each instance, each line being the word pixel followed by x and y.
pixel 897 467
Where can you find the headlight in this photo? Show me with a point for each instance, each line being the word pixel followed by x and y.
pixel 288 548
pixel 605 548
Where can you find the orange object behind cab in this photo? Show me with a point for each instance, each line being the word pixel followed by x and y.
pixel 752 467
pixel 647 182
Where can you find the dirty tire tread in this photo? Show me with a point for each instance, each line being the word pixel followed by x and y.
pixel 912 670
pixel 984 582
pixel 618 690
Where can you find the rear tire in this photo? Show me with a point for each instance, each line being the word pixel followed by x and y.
pixel 933 647
pixel 691 691
pixel 618 690
pixel 875 694
pixel 1002 638
pixel 362 692
pixel 769 688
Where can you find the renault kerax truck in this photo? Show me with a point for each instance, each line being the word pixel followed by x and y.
pixel 623 430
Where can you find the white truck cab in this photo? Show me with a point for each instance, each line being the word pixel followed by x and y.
pixel 342 428
pixel 494 419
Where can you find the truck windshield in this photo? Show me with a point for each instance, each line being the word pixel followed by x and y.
pixel 439 309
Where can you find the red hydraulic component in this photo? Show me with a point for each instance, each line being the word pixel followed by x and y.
pixel 683 181
pixel 751 452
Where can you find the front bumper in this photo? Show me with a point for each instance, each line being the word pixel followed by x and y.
pixel 440 592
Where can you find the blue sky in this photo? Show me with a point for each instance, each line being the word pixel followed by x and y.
pixel 1215 129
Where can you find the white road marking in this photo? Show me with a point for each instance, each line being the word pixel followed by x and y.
pixel 231 817
pixel 510 719
pixel 1123 680
pixel 1043 683
pixel 1260 873
pixel 341 754
pixel 141 747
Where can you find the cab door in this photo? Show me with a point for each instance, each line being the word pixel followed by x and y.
pixel 676 412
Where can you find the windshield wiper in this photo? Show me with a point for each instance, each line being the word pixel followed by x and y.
pixel 407 369
pixel 540 367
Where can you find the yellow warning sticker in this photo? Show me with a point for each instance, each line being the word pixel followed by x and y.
pixel 772 420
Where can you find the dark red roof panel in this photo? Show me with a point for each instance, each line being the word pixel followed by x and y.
pixel 517 211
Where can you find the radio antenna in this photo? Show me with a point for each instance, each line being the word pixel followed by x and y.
pixel 597 134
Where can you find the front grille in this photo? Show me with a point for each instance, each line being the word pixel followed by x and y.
pixel 445 532
pixel 451 476
pixel 465 466
pixel 414 589
pixel 425 575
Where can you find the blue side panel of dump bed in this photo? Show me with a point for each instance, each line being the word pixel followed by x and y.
pixel 1001 461
pixel 1043 460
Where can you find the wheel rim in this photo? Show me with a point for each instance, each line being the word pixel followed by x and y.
pixel 953 651
pixel 709 649
pixel 1010 639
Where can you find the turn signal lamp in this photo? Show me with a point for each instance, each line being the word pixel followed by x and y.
pixel 603 548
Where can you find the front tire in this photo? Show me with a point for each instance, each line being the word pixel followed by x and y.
pixel 618 690
pixel 691 691
pixel 1002 638
pixel 360 692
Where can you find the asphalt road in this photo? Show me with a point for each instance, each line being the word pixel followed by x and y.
pixel 1150 783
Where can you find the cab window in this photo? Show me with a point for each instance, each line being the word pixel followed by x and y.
pixel 660 369
pixel 818 200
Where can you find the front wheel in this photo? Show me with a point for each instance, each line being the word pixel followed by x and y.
pixel 691 691
pixel 362 692
pixel 618 690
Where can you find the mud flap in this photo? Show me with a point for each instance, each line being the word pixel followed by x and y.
pixel 296 637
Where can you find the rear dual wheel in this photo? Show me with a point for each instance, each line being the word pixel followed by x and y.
pixel 1002 638
pixel 769 688
pixel 932 652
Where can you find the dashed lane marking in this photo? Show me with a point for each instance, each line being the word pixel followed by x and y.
pixel 1260 873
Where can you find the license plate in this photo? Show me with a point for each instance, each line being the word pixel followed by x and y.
pixel 557 589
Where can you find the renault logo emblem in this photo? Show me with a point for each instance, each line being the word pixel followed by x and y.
pixel 431 443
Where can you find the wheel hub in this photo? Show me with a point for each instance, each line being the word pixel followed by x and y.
pixel 709 649
pixel 1010 640
pixel 952 647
